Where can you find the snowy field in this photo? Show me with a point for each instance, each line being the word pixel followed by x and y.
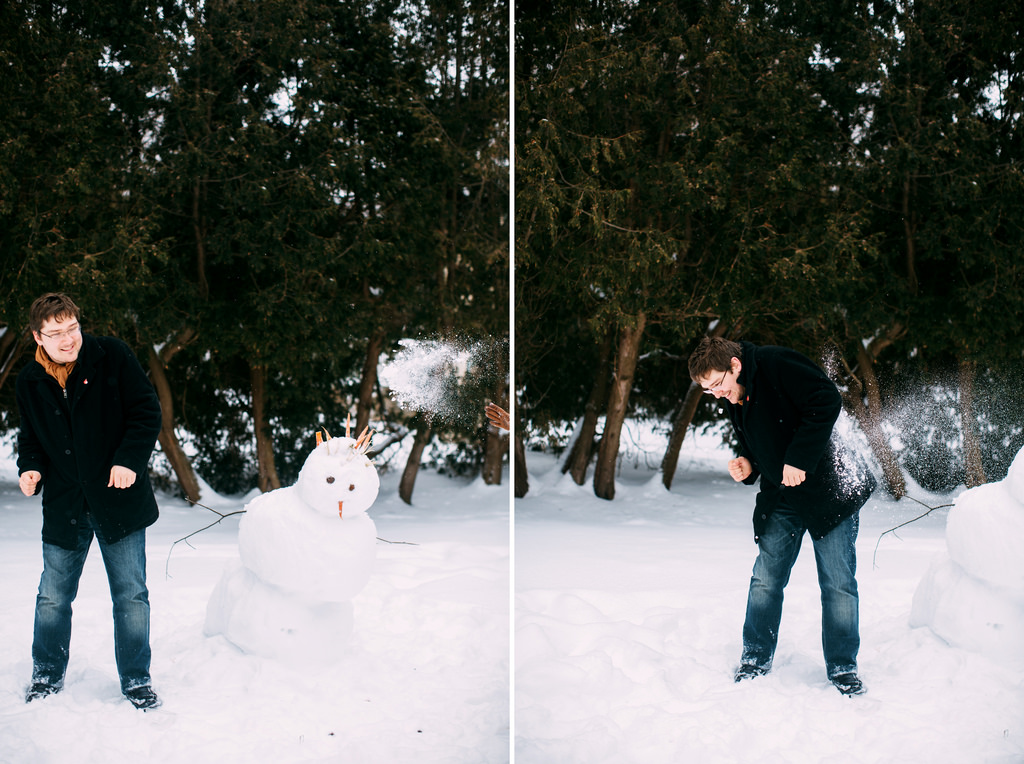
pixel 628 621
pixel 424 677
pixel 628 618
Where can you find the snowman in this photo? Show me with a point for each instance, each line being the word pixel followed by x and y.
pixel 973 596
pixel 305 551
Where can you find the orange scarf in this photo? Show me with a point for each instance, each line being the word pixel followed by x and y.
pixel 59 371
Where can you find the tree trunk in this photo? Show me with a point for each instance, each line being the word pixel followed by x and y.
pixel 618 403
pixel 268 479
pixel 522 481
pixel 582 449
pixel 369 379
pixel 7 339
pixel 412 467
pixel 13 345
pixel 679 427
pixel 869 417
pixel 682 421
pixel 975 471
pixel 497 441
pixel 494 455
pixel 497 444
pixel 168 439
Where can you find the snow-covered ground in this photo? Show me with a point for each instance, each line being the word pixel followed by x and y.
pixel 423 678
pixel 628 620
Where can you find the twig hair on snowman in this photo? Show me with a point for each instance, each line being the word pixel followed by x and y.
pixel 339 467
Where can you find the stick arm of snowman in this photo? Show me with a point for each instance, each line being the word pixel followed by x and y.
pixel 874 559
pixel 221 516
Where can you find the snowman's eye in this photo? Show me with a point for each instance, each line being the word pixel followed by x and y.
pixel 352 487
pixel 330 480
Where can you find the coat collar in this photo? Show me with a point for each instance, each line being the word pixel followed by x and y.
pixel 92 352
pixel 748 373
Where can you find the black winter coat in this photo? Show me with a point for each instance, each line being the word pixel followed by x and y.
pixel 110 415
pixel 787 417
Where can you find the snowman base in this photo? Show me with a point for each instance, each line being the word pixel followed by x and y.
pixel 970 613
pixel 973 596
pixel 263 620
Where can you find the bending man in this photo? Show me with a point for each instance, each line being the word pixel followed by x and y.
pixel 783 408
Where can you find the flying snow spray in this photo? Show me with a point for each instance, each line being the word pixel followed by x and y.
pixel 446 380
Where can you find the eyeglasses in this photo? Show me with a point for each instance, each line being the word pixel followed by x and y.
pixel 715 388
pixel 70 332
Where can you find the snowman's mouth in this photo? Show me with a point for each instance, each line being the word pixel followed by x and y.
pixel 339 508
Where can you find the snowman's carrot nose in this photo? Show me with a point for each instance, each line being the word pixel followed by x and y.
pixel 339 508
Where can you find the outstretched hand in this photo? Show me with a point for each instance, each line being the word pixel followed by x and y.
pixel 497 416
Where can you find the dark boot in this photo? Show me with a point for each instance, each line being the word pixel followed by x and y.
pixel 749 671
pixel 143 697
pixel 41 689
pixel 849 684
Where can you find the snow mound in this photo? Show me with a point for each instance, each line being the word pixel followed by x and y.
pixel 1015 477
pixel 973 596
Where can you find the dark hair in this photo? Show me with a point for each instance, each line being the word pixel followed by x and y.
pixel 713 354
pixel 52 305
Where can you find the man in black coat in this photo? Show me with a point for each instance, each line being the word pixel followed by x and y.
pixel 783 408
pixel 89 421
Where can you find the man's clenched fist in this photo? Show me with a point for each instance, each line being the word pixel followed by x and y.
pixel 121 477
pixel 28 481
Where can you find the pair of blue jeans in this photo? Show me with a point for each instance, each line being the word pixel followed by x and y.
pixel 125 562
pixel 836 559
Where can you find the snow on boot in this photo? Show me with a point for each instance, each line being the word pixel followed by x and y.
pixel 849 684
